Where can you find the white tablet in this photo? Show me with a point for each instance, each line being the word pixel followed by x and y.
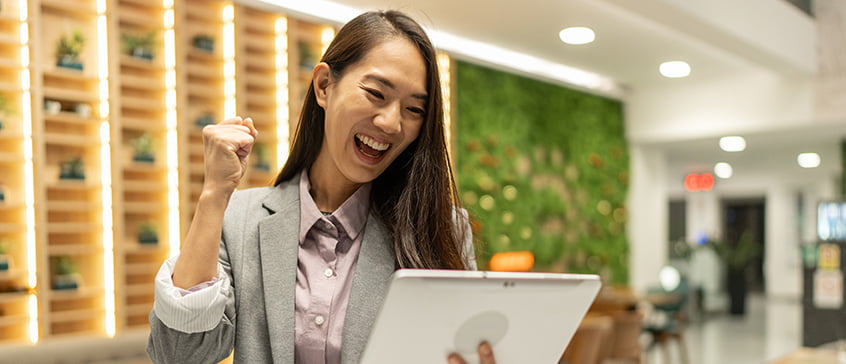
pixel 527 317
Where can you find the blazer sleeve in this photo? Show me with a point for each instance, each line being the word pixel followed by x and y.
pixel 198 327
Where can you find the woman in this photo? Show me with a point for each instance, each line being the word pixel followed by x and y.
pixel 297 272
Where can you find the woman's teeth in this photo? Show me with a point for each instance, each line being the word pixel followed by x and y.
pixel 380 147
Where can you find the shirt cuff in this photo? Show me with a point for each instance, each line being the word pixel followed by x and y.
pixel 197 309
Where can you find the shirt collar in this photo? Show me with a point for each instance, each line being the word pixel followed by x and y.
pixel 352 215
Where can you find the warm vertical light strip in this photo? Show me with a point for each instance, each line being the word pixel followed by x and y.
pixel 229 105
pixel 106 170
pixel 326 36
pixel 29 176
pixel 282 110
pixel 172 136
pixel 444 70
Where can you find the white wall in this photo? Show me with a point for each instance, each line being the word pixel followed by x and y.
pixel 648 219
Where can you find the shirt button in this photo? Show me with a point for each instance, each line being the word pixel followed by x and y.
pixel 319 320
pixel 328 272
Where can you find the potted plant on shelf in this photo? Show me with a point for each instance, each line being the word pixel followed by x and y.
pixel 737 257
pixel 5 258
pixel 203 42
pixel 143 146
pixel 308 58
pixel 139 46
pixel 2 193
pixel 69 49
pixel 6 109
pixel 65 273
pixel 262 163
pixel 52 107
pixel 148 233
pixel 73 169
pixel 203 120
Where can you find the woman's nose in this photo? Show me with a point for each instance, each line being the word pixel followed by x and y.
pixel 389 119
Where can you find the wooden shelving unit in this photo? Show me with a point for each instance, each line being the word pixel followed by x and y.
pixel 14 315
pixel 256 88
pixel 69 209
pixel 60 113
pixel 200 90
pixel 139 158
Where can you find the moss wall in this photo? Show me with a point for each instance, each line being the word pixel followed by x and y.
pixel 543 168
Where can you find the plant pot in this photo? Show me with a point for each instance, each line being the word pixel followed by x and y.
pixel 142 53
pixel 2 194
pixel 262 166
pixel 69 171
pixel 204 44
pixel 5 262
pixel 70 62
pixel 736 286
pixel 70 281
pixel 144 158
pixel 83 110
pixel 204 120
pixel 148 238
pixel 52 107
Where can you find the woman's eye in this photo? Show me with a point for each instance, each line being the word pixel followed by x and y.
pixel 417 110
pixel 376 94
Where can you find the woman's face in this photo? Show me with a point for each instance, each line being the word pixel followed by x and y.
pixel 373 112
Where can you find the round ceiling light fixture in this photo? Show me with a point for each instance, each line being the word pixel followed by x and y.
pixel 723 170
pixel 674 69
pixel 577 35
pixel 808 160
pixel 733 143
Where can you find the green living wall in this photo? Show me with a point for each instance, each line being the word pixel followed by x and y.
pixel 542 168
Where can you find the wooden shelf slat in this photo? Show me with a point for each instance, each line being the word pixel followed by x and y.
pixel 72 206
pixel 257 42
pixel 69 95
pixel 145 167
pixel 211 93
pixel 72 185
pixel 75 315
pixel 204 71
pixel 132 16
pixel 71 140
pixel 261 81
pixel 143 207
pixel 144 249
pixel 154 5
pixel 139 309
pixel 8 227
pixel 12 274
pixel 75 294
pixel 75 249
pixel 141 268
pixel 9 39
pixel 142 104
pixel 142 186
pixel 11 158
pixel 71 228
pixel 140 289
pixel 260 64
pixel 147 83
pixel 6 206
pixel 142 64
pixel 70 75
pixel 11 63
pixel 14 320
pixel 78 8
pixel 144 124
pixel 7 297
pixel 68 118
pixel 204 13
pixel 10 87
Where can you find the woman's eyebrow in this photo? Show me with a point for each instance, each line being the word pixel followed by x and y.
pixel 390 85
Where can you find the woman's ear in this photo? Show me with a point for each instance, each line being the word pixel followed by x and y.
pixel 321 76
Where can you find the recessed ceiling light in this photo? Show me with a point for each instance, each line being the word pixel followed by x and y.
pixel 808 160
pixel 723 170
pixel 674 69
pixel 733 143
pixel 577 35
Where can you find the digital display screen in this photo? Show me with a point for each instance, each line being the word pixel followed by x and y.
pixel 831 221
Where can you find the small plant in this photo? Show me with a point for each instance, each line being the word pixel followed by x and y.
pixel 68 50
pixel 72 168
pixel 5 259
pixel 308 57
pixel 65 274
pixel 203 120
pixel 6 109
pixel 139 46
pixel 262 163
pixel 144 148
pixel 2 193
pixel 148 233
pixel 203 42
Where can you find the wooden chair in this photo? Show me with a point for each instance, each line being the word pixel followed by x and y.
pixel 585 346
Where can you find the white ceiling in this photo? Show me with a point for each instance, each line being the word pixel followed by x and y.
pixel 632 38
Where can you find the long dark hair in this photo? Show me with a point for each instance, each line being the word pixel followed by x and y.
pixel 416 196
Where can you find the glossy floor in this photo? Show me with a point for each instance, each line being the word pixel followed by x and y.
pixel 770 329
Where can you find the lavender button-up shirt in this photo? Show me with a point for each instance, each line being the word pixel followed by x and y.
pixel 329 246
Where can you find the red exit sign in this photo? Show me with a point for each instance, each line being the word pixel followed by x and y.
pixel 698 182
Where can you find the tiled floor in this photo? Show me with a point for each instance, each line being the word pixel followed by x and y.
pixel 770 329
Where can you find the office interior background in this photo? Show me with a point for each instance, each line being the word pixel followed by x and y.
pixel 570 157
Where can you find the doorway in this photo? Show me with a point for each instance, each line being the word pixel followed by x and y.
pixel 741 216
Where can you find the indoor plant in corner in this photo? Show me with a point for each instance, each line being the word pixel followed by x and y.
pixel 65 274
pixel 737 257
pixel 69 49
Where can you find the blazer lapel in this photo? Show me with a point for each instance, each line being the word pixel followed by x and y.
pixel 370 283
pixel 279 236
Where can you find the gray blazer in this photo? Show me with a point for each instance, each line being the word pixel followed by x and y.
pixel 258 250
